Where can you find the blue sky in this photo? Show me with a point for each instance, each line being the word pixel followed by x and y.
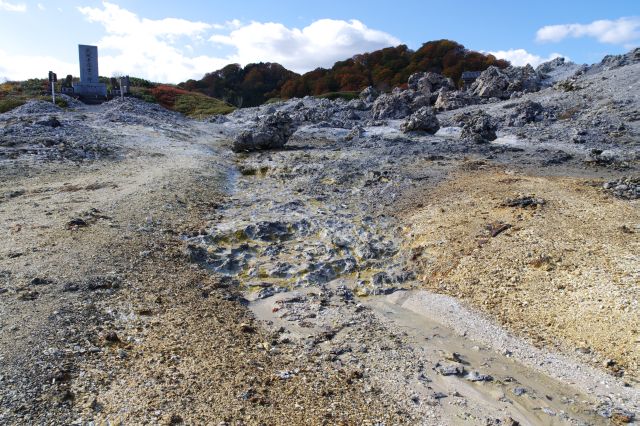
pixel 174 41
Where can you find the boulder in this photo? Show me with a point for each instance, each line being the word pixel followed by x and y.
pixel 492 83
pixel 497 83
pixel 429 82
pixel 421 99
pixel 393 105
pixel 272 132
pixel 448 100
pixel 355 133
pixel 369 94
pixel 523 79
pixel 422 120
pixel 526 112
pixel 478 127
pixel 357 105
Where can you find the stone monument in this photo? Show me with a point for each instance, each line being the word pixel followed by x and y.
pixel 89 85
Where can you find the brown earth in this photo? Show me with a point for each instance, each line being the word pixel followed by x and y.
pixel 104 318
pixel 564 274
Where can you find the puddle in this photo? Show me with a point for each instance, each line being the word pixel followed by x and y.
pixel 533 398
pixel 528 395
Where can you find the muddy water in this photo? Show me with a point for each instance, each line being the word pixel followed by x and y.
pixel 530 397
pixel 516 390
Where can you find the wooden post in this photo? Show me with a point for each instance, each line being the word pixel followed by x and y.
pixel 52 79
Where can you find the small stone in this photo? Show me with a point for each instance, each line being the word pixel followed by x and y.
pixel 246 328
pixel 510 422
pixel 29 295
pixel 111 337
pixel 76 223
pixel 40 281
pixel 474 376
pixel 451 370
pixel 519 391
pixel 622 416
pixel 455 357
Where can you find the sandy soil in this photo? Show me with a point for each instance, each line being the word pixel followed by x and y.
pixel 564 273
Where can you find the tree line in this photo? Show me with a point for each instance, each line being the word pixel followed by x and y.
pixel 384 69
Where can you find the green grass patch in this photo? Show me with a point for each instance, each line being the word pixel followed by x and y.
pixel 9 104
pixel 347 96
pixel 144 94
pixel 197 105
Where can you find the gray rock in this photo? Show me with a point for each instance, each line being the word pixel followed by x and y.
pixel 617 61
pixel 424 120
pixel 449 100
pixel 355 133
pixel 478 127
pixel 497 83
pixel 369 94
pixel 50 122
pixel 451 370
pixel 272 132
pixel 357 104
pixel 429 82
pixel 523 79
pixel 474 376
pixel 626 187
pixel 492 83
pixel 392 105
pixel 550 66
pixel 526 112
pixel 519 391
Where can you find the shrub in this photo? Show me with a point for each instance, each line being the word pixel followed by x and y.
pixel 197 105
pixel 347 96
pixel 9 104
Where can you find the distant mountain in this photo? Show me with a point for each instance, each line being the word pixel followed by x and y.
pixel 385 69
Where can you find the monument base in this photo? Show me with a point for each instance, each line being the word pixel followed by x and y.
pixel 90 89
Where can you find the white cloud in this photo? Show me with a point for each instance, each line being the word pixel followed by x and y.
pixel 520 57
pixel 21 67
pixel 172 50
pixel 41 6
pixel 229 25
pixel 621 31
pixel 12 7
pixel 149 48
pixel 322 43
pixel 161 50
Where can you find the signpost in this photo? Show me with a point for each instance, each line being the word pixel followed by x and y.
pixel 53 78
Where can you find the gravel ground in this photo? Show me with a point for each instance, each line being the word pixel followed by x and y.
pixel 150 275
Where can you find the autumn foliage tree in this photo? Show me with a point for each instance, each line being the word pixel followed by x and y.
pixel 248 86
pixel 385 69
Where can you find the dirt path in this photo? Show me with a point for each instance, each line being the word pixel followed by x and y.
pixel 104 317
